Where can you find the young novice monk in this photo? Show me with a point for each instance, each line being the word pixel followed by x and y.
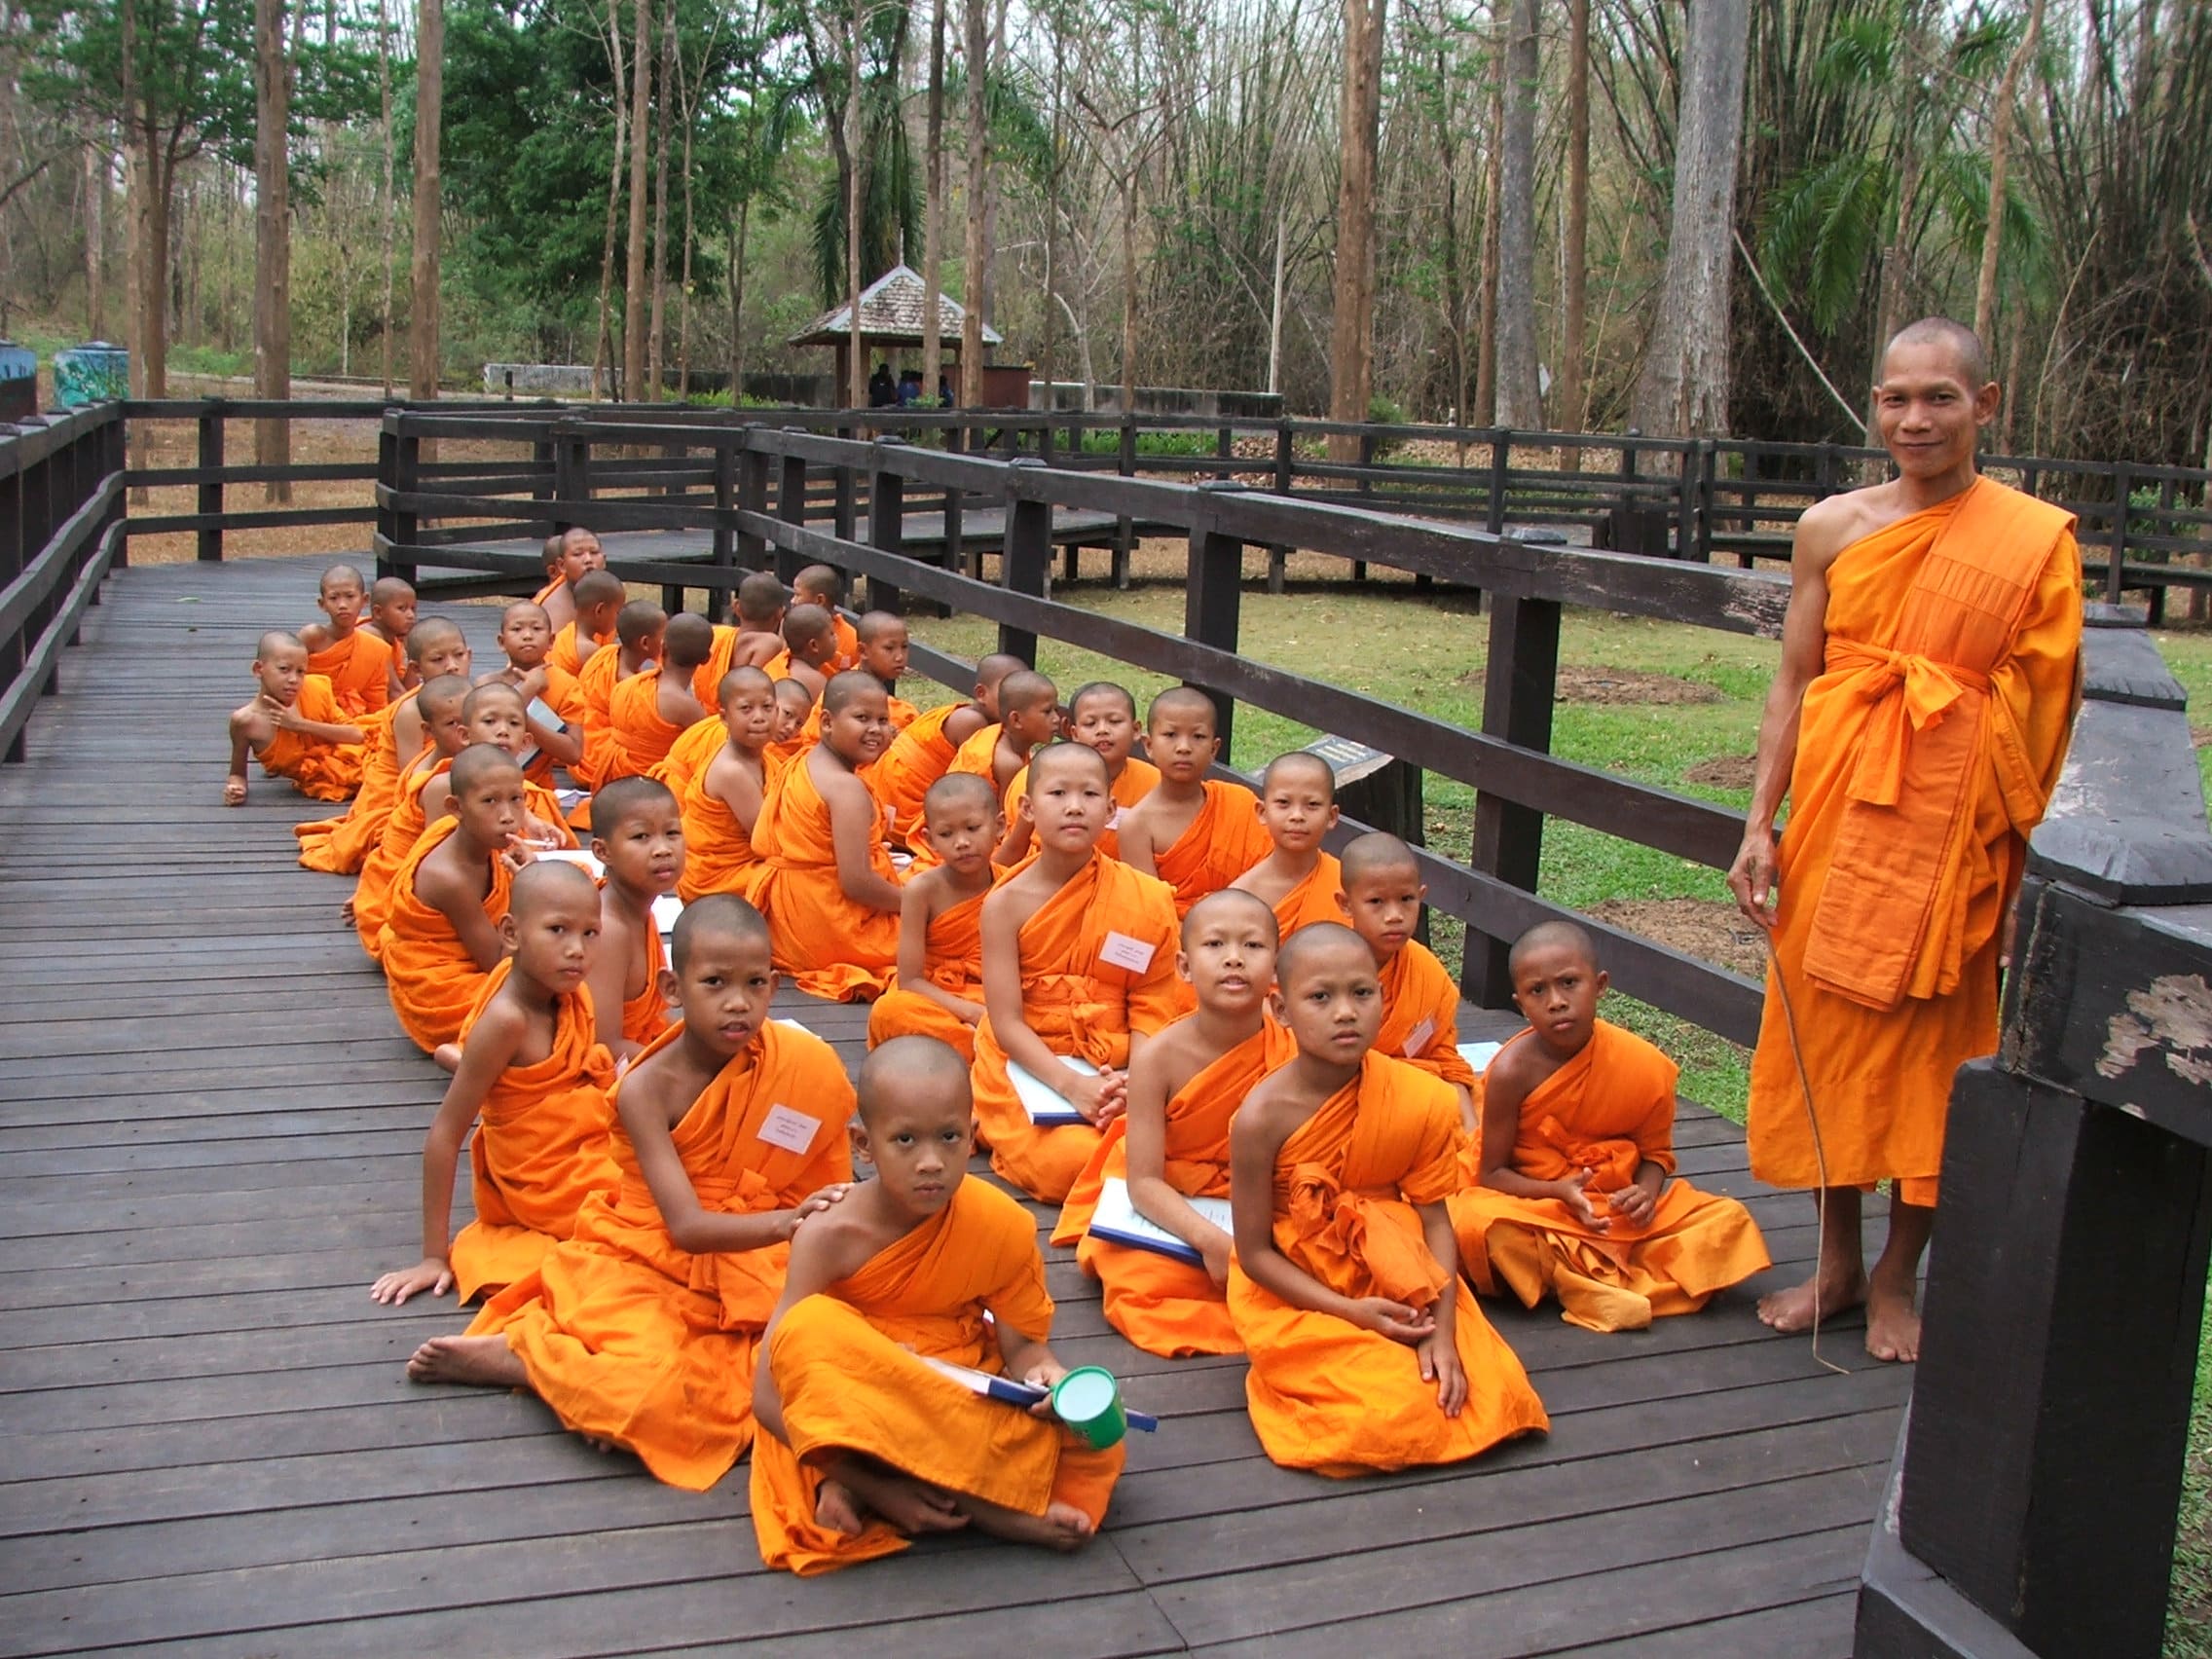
pixel 810 650
pixel 1079 963
pixel 1578 1145
pixel 579 554
pixel 863 1443
pixel 1367 1352
pixel 441 702
pixel 495 713
pixel 441 936
pixel 526 639
pixel 1382 897
pixel 637 628
pixel 358 663
pixel 653 708
pixel 939 990
pixel 391 619
pixel 1104 717
pixel 641 1330
pixel 598 601
pixel 534 1076
pixel 294 727
pixel 1298 806
pixel 1029 714
pixel 1172 1143
pixel 824 585
pixel 1197 834
pixel 923 752
pixel 636 835
pixel 720 801
pixel 825 881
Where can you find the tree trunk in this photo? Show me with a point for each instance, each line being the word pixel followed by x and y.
pixel 602 340
pixel 390 184
pixel 683 283
pixel 1520 393
pixel 2000 141
pixel 1129 291
pixel 933 211
pixel 1574 413
pixel 856 359
pixel 1486 304
pixel 429 98
pixel 154 299
pixel 1352 347
pixel 633 279
pixel 979 179
pixel 657 338
pixel 271 238
pixel 737 229
pixel 1684 386
pixel 96 239
pixel 1274 313
pixel 1048 357
pixel 1890 297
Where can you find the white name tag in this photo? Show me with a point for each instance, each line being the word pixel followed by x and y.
pixel 1123 952
pixel 792 1131
pixel 1115 821
pixel 1419 1038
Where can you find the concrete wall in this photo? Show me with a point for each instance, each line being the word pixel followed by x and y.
pixel 1161 400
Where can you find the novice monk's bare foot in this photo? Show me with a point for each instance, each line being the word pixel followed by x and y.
pixel 486 1361
pixel 907 1504
pixel 837 1510
pixel 1893 1323
pixel 1062 1526
pixel 1792 1312
pixel 448 1056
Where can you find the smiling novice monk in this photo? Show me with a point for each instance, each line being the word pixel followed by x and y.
pixel 940 991
pixel 1103 716
pixel 1367 1352
pixel 534 1077
pixel 391 619
pixel 1173 1144
pixel 1298 806
pixel 1381 896
pixel 494 713
pixel 598 601
pixel 293 728
pixel 1197 834
pixel 824 585
pixel 923 752
pixel 441 937
pixel 864 1445
pixel 1578 1145
pixel 358 663
pixel 721 799
pixel 636 835
pixel 825 881
pixel 1079 963
pixel 391 738
pixel 641 1330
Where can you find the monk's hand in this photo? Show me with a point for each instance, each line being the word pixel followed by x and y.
pixel 534 683
pixel 1633 1203
pixel 517 853
pixel 1440 1365
pixel 1750 878
pixel 814 1203
pixel 1214 1250
pixel 287 716
pixel 1394 1319
pixel 1572 1193
pixel 432 1273
pixel 234 791
pixel 1044 1375
pixel 1099 1099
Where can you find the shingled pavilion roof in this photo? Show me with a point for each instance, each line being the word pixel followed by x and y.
pixel 891 314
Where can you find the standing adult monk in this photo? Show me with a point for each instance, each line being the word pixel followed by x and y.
pixel 1917 723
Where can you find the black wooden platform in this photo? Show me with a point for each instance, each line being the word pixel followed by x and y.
pixel 209 1129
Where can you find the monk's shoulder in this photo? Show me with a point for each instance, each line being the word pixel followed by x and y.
pixel 1518 1067
pixel 1834 522
pixel 1628 1051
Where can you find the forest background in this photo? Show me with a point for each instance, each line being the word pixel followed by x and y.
pixel 1682 215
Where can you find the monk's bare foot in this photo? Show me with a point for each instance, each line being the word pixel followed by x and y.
pixel 448 1056
pixel 346 913
pixel 1062 1526
pixel 485 1361
pixel 905 1503
pixel 602 1447
pixel 1792 1312
pixel 837 1510
pixel 1893 1323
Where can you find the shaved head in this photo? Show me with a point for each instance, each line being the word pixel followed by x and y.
pixel 1104 689
pixel 689 642
pixel 598 587
pixel 760 598
pixel 545 880
pixel 956 790
pixel 1184 702
pixel 624 796
pixel 805 624
pixel 1060 756
pixel 389 590
pixel 1028 690
pixel 824 582
pixel 338 575
pixel 716 915
pixel 523 609
pixel 741 680
pixel 639 621
pixel 874 624
pixel 1552 936
pixel 794 697
pixel 1316 770
pixel 435 633
pixel 446 691
pixel 1374 854
pixel 993 669
pixel 843 689
pixel 1314 943
pixel 1968 353
pixel 275 640
pixel 913 1071
pixel 491 691
pixel 1255 908
pixel 478 764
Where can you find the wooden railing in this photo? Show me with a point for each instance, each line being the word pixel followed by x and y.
pixel 60 528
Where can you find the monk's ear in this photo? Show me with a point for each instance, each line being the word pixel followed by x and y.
pixel 1343 903
pixel 598 848
pixel 1334 811
pixel 509 936
pixel 856 1136
pixel 1602 981
pixel 1027 811
pixel 1215 754
pixel 1183 967
pixel 1277 1006
pixel 671 989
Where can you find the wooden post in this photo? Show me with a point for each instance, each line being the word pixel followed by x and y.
pixel 1214 599
pixel 886 521
pixel 541 452
pixel 12 554
pixel 1685 502
pixel 726 535
pixel 211 539
pixel 1709 495
pixel 847 510
pixel 1278 555
pixel 1027 562
pixel 1520 683
pixel 1366 460
pixel 1500 461
pixel 406 523
pixel 1124 527
pixel 114 457
pixel 753 467
pixel 2115 569
pixel 791 507
pixel 387 478
pixel 1224 451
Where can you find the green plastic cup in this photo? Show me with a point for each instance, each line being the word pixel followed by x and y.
pixel 1089 1401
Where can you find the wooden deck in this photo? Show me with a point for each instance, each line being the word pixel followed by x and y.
pixel 209 1132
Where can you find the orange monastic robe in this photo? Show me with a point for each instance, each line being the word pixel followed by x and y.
pixel 902 775
pixel 849 1368
pixel 848 643
pixel 359 668
pixel 565 654
pixel 1608 1110
pixel 955 963
pixel 642 734
pixel 1097 964
pixel 707 678
pixel 541 1148
pixel 401 829
pixel 902 714
pixel 1314 898
pixel 632 1339
pixel 565 698
pixel 1224 841
pixel 974 755
pixel 432 979
pixel 1163 1305
pixel 831 946
pixel 646 1016
pixel 718 856
pixel 1926 752
pixel 1138 778
pixel 318 770
pixel 339 845
pixel 596 686
pixel 1324 1393
pixel 688 755
pixel 1420 1015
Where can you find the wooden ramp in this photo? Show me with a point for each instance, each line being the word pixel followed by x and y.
pixel 209 1132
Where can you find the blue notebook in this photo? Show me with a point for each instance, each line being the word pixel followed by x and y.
pixel 1048 1108
pixel 1016 1392
pixel 1118 1220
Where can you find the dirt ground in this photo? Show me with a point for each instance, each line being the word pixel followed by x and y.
pixel 1704 928
pixel 1724 771
pixel 1584 685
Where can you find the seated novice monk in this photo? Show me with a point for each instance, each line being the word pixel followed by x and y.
pixel 1197 834
pixel 923 752
pixel 1104 717
pixel 1382 897
pixel 1367 1352
pixel 1079 964
pixel 883 649
pixel 598 601
pixel 441 936
pixel 1578 1145
pixel 720 801
pixel 653 708
pixel 863 1443
pixel 534 1077
pixel 758 639
pixel 294 727
pixel 571 555
pixel 638 629
pixel 643 1329
pixel 1298 806
pixel 1172 1143
pixel 358 663
pixel 825 881
pixel 824 585
pixel 1029 714
pixel 391 619
pixel 636 835
pixel 527 641
pixel 793 709
pixel 810 650
pixel 391 738
pixel 939 990
pixel 494 713
pixel 441 701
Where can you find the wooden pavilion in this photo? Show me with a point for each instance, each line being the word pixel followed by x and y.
pixel 891 321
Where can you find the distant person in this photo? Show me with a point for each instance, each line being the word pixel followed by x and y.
pixel 882 391
pixel 909 389
pixel 943 393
